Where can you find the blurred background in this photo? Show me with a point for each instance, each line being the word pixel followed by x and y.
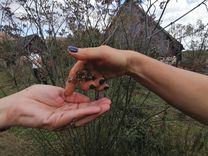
pixel 140 122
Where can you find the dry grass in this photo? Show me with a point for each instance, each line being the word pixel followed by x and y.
pixel 11 145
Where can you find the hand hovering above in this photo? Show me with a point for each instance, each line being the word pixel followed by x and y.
pixel 100 63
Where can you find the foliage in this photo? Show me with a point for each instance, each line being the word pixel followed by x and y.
pixel 195 37
pixel 139 123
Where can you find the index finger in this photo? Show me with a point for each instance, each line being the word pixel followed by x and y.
pixel 71 80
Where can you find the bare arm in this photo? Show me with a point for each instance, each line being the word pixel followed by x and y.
pixel 185 90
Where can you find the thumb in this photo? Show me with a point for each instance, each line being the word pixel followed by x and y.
pixel 82 53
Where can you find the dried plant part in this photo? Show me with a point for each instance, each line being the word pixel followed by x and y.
pixel 84 76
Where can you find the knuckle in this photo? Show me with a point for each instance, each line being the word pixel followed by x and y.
pixel 33 86
pixel 104 47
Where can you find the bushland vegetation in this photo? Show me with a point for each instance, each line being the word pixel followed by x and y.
pixel 139 123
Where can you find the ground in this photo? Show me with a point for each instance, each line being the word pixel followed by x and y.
pixel 11 144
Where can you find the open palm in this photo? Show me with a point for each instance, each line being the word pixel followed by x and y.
pixel 44 106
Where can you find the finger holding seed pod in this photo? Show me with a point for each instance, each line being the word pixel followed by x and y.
pixel 85 77
pixel 86 80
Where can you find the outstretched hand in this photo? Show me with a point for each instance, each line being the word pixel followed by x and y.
pixel 44 106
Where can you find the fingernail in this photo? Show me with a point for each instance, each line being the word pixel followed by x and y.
pixel 106 88
pixel 73 49
pixel 102 81
pixel 92 87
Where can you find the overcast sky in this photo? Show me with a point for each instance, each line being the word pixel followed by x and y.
pixel 176 8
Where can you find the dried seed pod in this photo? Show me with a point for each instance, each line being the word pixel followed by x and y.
pixel 84 76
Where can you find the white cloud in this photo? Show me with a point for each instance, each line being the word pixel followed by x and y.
pixel 175 9
pixel 192 1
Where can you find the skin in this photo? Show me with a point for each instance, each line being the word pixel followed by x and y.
pixel 44 106
pixel 184 90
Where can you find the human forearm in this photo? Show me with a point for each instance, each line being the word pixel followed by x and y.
pixel 184 90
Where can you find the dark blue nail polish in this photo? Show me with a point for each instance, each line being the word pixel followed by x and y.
pixel 73 49
pixel 102 81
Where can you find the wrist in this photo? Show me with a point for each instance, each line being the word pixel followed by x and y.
pixel 5 105
pixel 3 112
pixel 135 63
